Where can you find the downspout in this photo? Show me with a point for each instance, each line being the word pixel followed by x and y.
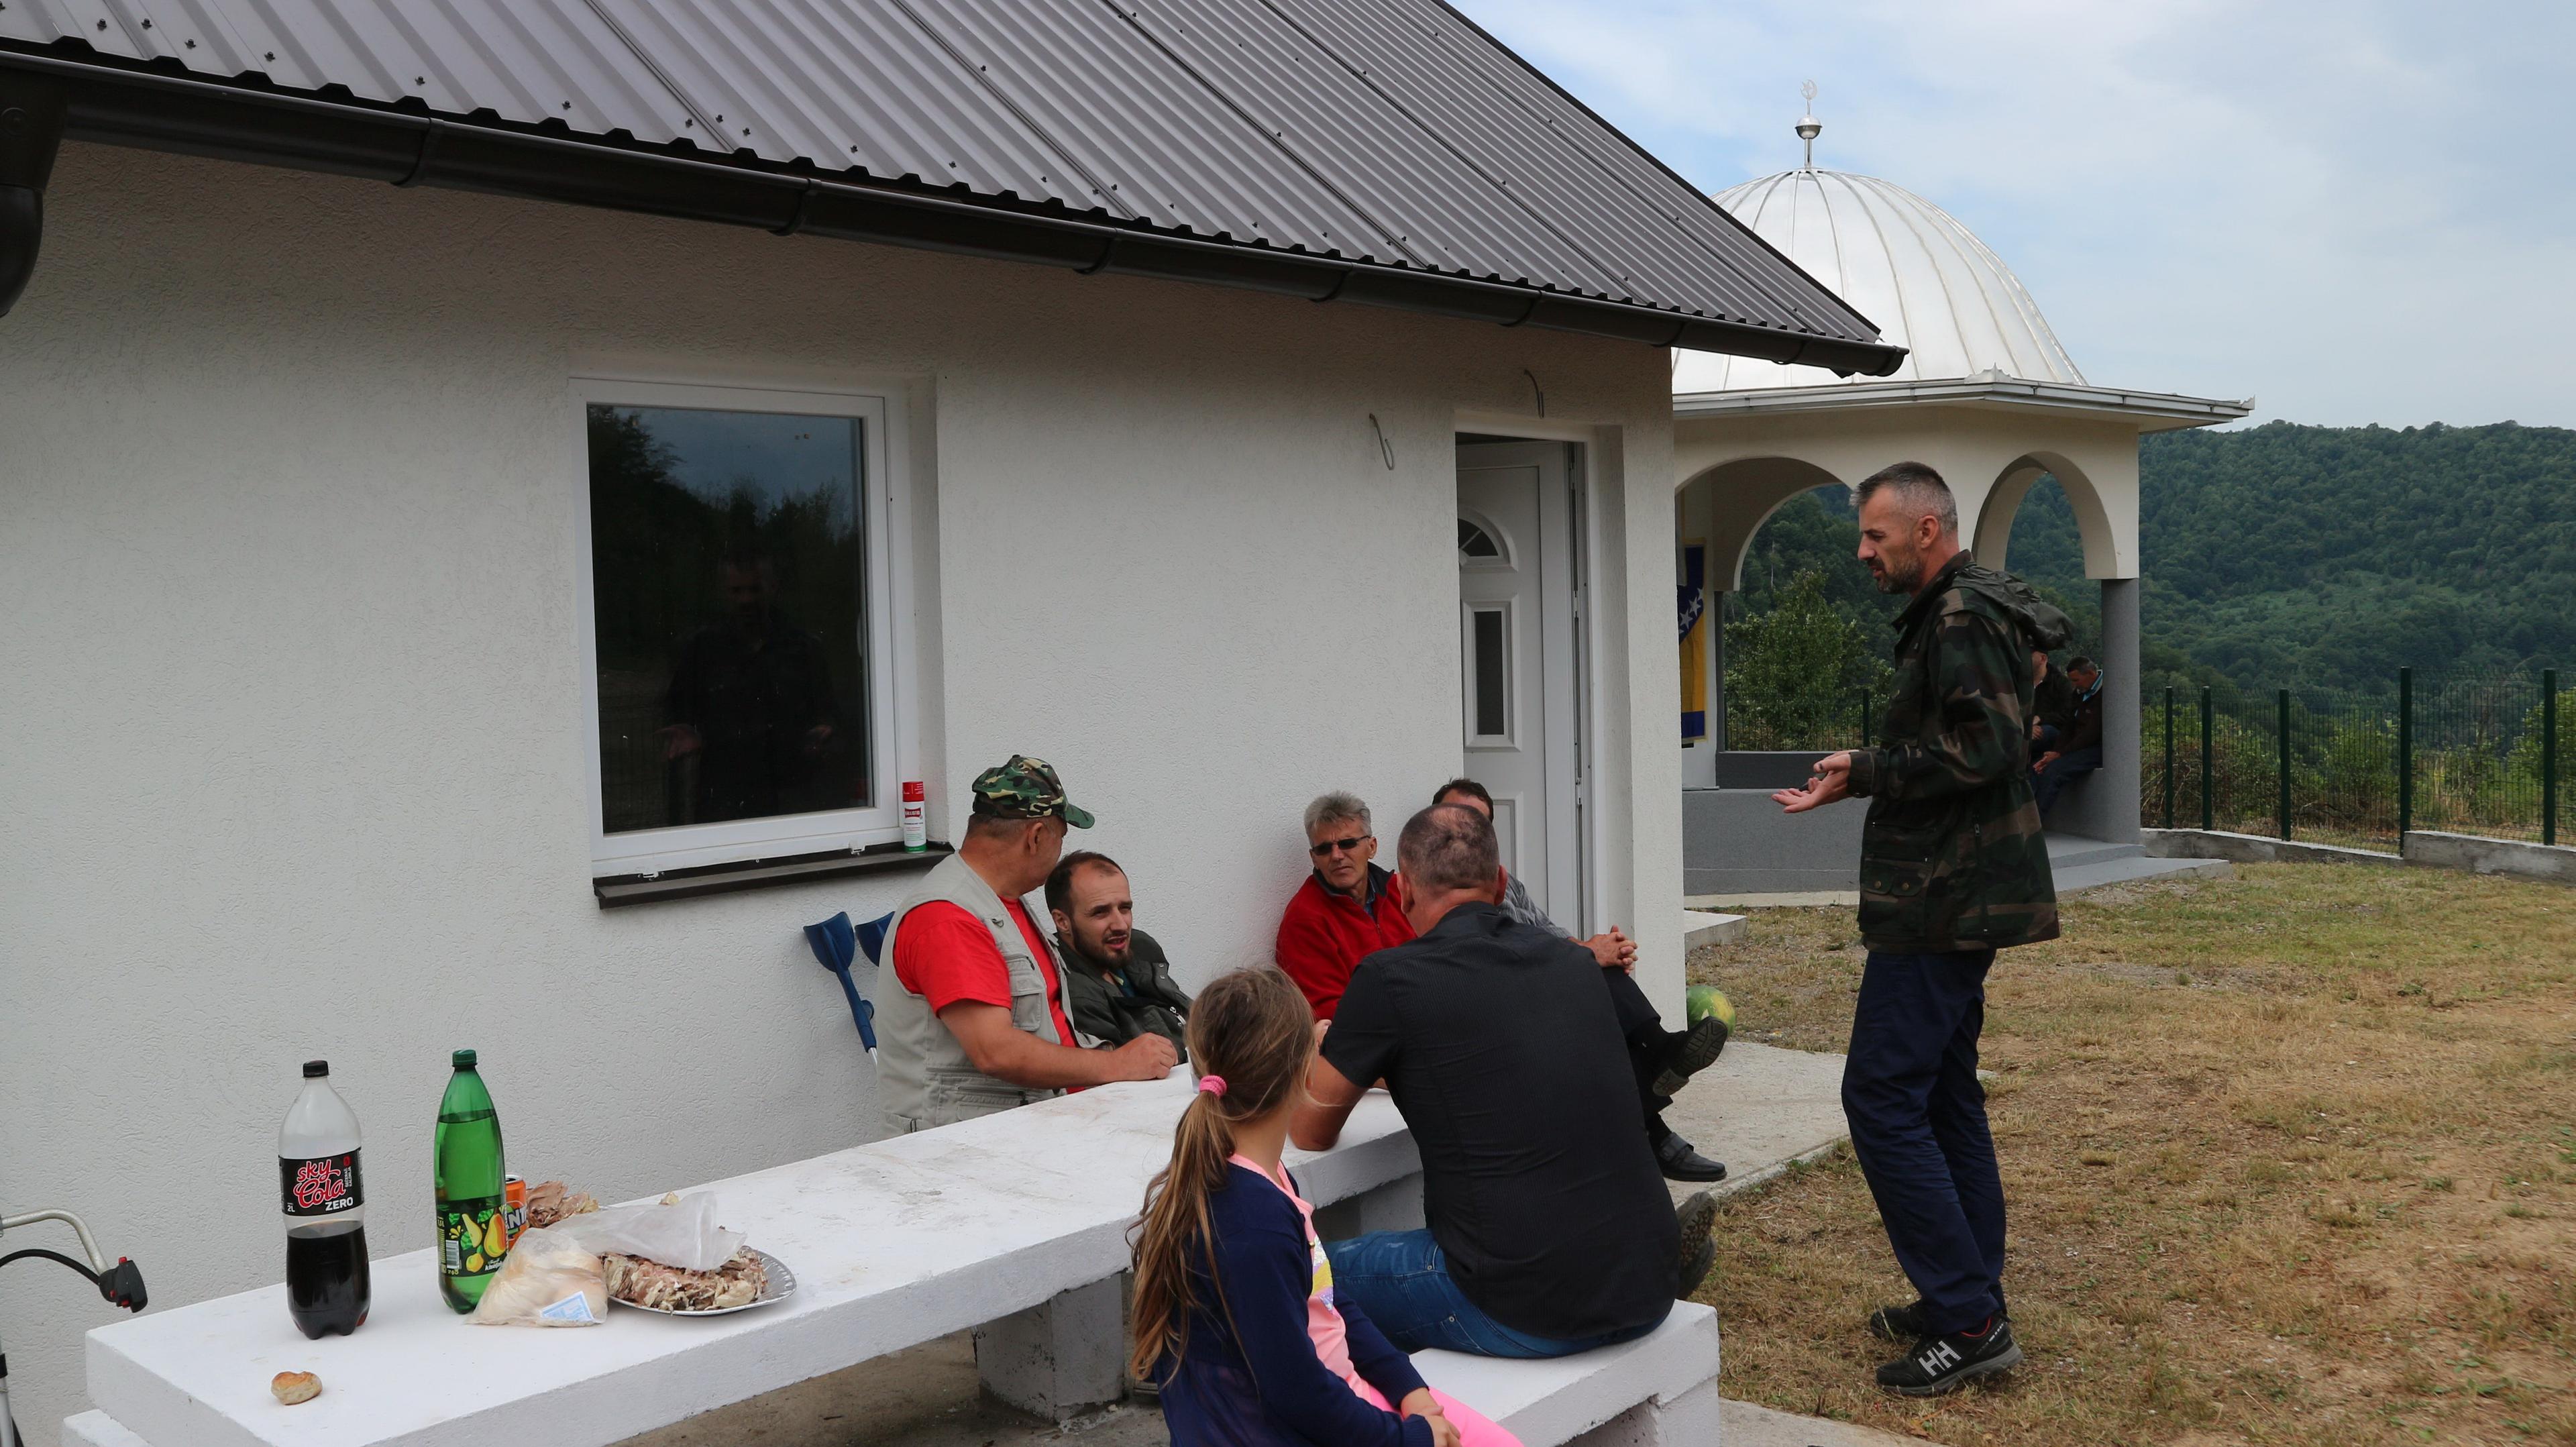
pixel 31 131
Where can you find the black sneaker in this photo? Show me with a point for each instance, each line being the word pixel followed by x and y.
pixel 1900 1323
pixel 1941 1363
pixel 1695 1051
pixel 1681 1161
pixel 1697 1217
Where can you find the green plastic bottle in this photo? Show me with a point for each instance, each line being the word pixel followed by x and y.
pixel 465 1165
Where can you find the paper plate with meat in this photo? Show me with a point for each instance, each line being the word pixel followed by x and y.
pixel 751 1277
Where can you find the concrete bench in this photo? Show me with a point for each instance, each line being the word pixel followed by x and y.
pixel 1657 1391
pixel 1015 1223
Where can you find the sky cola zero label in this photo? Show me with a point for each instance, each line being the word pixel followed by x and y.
pixel 321 1186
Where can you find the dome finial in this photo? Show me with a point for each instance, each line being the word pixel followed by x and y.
pixel 1808 125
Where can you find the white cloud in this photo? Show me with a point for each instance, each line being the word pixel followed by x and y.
pixel 2359 212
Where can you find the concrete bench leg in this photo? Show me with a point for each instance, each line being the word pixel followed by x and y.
pixel 1061 1358
pixel 1689 1420
pixel 1395 1206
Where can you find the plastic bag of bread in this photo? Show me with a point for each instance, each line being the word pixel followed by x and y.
pixel 548 1279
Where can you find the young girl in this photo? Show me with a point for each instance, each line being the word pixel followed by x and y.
pixel 1235 1315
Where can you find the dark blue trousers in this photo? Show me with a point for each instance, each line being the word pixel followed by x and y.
pixel 2058 775
pixel 1918 1126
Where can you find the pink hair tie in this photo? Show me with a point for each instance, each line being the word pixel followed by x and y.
pixel 1213 1085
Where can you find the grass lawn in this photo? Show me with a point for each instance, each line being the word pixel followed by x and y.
pixel 2291 1158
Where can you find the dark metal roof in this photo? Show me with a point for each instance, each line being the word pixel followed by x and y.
pixel 1370 150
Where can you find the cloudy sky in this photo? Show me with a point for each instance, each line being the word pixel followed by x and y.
pixel 2359 211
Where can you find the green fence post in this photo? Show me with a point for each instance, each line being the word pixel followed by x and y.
pixel 2405 755
pixel 2285 763
pixel 1864 718
pixel 2169 777
pixel 2549 756
pixel 2208 800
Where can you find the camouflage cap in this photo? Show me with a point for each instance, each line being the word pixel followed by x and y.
pixel 1025 788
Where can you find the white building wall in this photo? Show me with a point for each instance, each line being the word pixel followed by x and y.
pixel 294 692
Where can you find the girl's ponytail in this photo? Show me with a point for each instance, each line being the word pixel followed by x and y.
pixel 1252 1035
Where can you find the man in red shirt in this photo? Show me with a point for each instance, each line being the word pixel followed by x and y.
pixel 976 1021
pixel 1345 911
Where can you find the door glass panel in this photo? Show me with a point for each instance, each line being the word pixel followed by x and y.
pixel 1493 674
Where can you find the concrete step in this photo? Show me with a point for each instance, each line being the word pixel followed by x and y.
pixel 1746 1425
pixel 2130 870
pixel 2071 851
pixel 1709 927
pixel 1758 1109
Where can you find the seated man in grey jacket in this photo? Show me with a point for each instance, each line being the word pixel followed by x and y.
pixel 1117 984
pixel 1664 1060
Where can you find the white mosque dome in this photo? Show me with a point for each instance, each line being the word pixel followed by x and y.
pixel 1907 265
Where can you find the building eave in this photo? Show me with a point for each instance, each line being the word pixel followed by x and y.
pixel 120 104
pixel 2148 411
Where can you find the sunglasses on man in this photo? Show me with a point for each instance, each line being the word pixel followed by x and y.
pixel 1349 846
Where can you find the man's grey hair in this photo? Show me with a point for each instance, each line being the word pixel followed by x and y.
pixel 1919 489
pixel 1337 805
pixel 1449 846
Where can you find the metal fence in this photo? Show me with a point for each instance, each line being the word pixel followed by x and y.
pixel 2461 752
pixel 1822 724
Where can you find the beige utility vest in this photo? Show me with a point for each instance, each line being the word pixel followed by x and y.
pixel 924 1076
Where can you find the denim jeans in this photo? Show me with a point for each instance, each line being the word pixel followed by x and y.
pixel 1918 1127
pixel 2061 773
pixel 1400 1281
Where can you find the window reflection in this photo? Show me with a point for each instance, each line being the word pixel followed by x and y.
pixel 728 574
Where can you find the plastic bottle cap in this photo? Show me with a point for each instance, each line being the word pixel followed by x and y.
pixel 316 1069
pixel 463 1060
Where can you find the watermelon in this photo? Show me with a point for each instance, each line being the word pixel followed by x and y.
pixel 1707 1000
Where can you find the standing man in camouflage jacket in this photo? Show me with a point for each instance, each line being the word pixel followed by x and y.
pixel 1953 867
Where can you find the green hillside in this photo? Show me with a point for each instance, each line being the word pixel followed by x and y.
pixel 2284 554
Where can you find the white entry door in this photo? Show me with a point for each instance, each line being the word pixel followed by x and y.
pixel 1518 513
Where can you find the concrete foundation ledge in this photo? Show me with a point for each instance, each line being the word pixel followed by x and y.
pixel 2477 855
pixel 2252 848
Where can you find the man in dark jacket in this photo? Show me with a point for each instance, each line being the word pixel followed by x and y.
pixel 2052 704
pixel 1953 867
pixel 2078 750
pixel 1117 984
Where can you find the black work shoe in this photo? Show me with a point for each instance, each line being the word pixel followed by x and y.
pixel 1697 1217
pixel 1901 1323
pixel 1941 1363
pixel 1694 1052
pixel 1682 1161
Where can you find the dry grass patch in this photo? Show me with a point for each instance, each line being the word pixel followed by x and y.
pixel 2291 1159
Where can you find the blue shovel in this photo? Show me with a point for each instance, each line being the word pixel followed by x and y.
pixel 836 944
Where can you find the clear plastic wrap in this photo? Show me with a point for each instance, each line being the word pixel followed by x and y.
pixel 548 1279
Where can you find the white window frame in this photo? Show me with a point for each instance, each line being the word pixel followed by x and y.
pixel 892 676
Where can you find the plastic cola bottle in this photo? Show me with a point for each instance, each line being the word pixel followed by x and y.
pixel 465 1166
pixel 326 1205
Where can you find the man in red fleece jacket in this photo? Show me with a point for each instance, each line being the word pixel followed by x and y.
pixel 1345 911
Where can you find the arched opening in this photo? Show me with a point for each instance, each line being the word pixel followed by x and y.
pixel 1718 514
pixel 2046 521
pixel 1727 504
pixel 1993 533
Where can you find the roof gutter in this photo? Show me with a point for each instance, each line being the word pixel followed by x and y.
pixel 31 131
pixel 119 106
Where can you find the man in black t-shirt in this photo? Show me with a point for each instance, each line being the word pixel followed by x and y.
pixel 1550 1228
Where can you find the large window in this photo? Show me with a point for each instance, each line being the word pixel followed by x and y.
pixel 738 599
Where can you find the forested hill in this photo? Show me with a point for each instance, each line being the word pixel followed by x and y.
pixel 2284 554
pixel 2331 554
